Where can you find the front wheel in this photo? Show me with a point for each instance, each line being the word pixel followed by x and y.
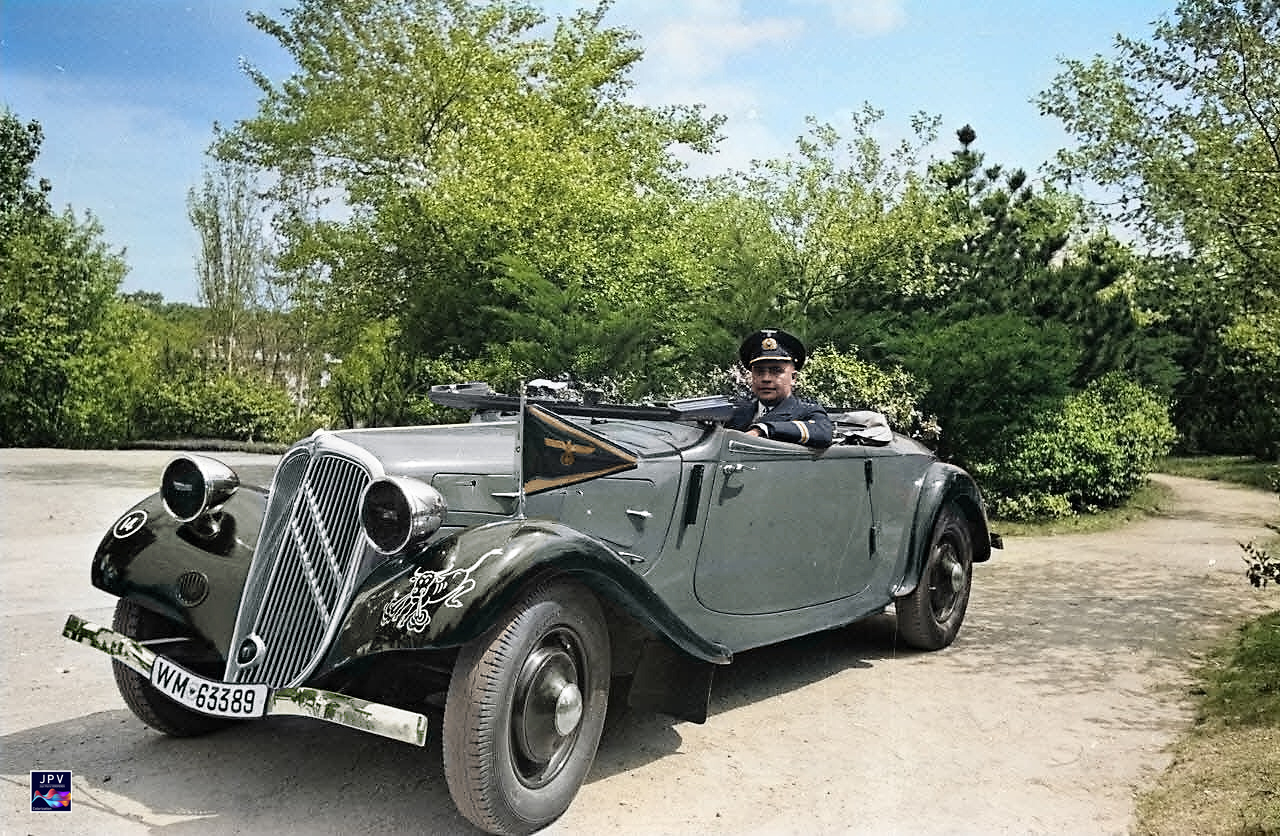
pixel 526 705
pixel 930 616
pixel 165 637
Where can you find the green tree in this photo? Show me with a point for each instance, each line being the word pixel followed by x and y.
pixel 461 136
pixel 111 372
pixel 1026 309
pixel 842 226
pixel 990 378
pixel 1011 233
pixel 58 282
pixel 1184 128
pixel 227 215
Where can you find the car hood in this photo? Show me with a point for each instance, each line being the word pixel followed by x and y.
pixel 473 465
pixel 421 452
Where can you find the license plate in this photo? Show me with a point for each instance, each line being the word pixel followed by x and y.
pixel 208 696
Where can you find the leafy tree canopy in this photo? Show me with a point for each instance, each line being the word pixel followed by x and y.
pixel 58 281
pixel 1186 127
pixel 464 137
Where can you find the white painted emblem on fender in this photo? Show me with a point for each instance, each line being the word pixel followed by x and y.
pixel 409 611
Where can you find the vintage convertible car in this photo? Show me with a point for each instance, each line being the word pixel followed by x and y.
pixel 523 569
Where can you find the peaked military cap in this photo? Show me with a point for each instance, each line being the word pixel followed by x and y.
pixel 771 344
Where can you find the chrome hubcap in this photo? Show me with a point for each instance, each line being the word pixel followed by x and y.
pixel 957 574
pixel 568 709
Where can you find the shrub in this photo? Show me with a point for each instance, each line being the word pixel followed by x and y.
pixel 1031 506
pixel 843 381
pixel 237 408
pixel 1092 453
pixel 1264 565
pixel 989 378
pixel 838 380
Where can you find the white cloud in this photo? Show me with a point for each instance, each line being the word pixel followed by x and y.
pixel 867 17
pixel 710 33
pixel 694 54
pixel 744 141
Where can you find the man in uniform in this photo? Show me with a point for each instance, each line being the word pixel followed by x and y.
pixel 773 357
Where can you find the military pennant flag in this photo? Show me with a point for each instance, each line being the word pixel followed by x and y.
pixel 556 453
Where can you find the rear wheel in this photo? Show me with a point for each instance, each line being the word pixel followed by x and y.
pixel 526 705
pixel 930 616
pixel 173 642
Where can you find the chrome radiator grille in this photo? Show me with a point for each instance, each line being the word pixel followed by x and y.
pixel 305 565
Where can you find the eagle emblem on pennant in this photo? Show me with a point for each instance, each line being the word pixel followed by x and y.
pixel 569 449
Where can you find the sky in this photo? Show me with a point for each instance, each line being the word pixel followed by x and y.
pixel 128 91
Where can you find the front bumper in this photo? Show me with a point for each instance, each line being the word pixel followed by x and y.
pixel 332 707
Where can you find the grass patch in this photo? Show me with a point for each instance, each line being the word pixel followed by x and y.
pixel 1224 782
pixel 1150 500
pixel 1239 470
pixel 1225 775
pixel 1241 682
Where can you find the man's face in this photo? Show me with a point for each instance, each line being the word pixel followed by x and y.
pixel 773 380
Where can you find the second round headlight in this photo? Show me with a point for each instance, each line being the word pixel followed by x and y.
pixel 399 513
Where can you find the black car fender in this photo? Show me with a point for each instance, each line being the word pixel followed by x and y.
pixel 192 573
pixel 941 484
pixel 450 592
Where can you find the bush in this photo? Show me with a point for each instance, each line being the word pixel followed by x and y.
pixel 1092 453
pixel 837 380
pixel 1264 565
pixel 222 406
pixel 989 378
pixel 1031 506
pixel 843 381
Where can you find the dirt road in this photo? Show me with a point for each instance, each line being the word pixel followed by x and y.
pixel 1053 706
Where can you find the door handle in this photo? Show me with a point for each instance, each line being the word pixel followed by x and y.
pixel 737 467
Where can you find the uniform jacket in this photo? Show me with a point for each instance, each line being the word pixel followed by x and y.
pixel 791 419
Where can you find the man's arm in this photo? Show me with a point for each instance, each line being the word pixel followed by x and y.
pixel 807 424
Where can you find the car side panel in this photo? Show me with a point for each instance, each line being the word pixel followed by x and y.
pixel 673 580
pixel 941 483
pixel 787 527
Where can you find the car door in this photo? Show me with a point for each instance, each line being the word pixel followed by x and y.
pixel 787 527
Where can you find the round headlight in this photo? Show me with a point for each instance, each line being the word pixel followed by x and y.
pixel 194 485
pixel 398 512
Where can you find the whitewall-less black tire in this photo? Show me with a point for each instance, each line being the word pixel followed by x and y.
pixel 149 705
pixel 526 706
pixel 930 616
